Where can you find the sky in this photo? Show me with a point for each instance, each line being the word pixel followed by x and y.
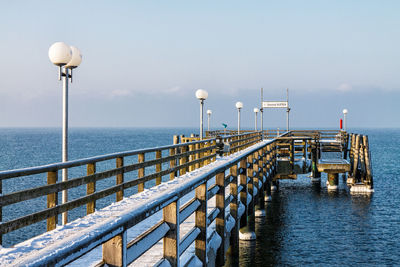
pixel 144 60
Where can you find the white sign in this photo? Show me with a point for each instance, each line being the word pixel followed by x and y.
pixel 275 104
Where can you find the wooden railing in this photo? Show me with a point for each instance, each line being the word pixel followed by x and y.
pixel 151 166
pixel 250 173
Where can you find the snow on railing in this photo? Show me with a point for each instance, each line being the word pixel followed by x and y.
pixel 218 201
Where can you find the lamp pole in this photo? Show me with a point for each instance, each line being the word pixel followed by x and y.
pixel 66 58
pixel 262 114
pixel 256 110
pixel 345 111
pixel 239 106
pixel 209 112
pixel 287 109
pixel 201 95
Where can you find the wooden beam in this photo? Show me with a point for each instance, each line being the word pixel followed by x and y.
pixel 51 201
pixel 171 239
pixel 119 178
pixel 91 188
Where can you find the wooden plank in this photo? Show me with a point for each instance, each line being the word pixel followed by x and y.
pixel 201 223
pixel 158 167
pixel 243 193
pixel 119 178
pixel 52 201
pixel 91 188
pixel 188 209
pixel 188 239
pixel 192 157
pixel 114 251
pixel 141 158
pixel 172 163
pixel 233 206
pixel 182 161
pixel 146 240
pixel 220 220
pixel 171 238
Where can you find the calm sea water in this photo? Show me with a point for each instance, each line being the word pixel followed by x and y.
pixel 305 225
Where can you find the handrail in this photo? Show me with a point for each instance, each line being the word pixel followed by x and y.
pixel 104 233
pixel 201 152
pixel 80 162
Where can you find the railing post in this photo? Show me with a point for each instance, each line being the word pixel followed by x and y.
pixel 51 200
pixel 250 189
pixel 201 154
pixel 114 251
pixel 260 208
pixel 197 146
pixel 171 239
pixel 172 163
pixel 208 152
pixel 247 219
pixel 291 151
pixel 175 152
pixel 191 157
pixel 141 159
pixel 91 188
pixel 267 172
pixel 158 167
pixel 233 186
pixel 201 223
pixel 182 161
pixel 120 178
pixel 220 220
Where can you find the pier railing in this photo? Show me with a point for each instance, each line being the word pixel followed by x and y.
pixel 151 166
pixel 249 174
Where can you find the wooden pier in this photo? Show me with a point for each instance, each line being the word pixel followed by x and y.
pixel 189 202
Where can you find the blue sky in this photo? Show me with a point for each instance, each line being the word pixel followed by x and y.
pixel 144 60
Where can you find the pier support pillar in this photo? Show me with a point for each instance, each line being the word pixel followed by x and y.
pixel 274 185
pixel 314 170
pixel 267 185
pixel 333 181
pixel 247 228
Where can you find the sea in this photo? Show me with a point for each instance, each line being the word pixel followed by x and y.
pixel 305 225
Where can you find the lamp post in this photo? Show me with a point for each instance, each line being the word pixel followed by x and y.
pixel 66 58
pixel 201 95
pixel 209 112
pixel 345 111
pixel 256 110
pixel 239 106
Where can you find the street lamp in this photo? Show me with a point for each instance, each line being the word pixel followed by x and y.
pixel 239 106
pixel 256 110
pixel 345 111
pixel 209 112
pixel 201 95
pixel 66 58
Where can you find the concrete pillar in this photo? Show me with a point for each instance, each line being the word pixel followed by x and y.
pixel 333 181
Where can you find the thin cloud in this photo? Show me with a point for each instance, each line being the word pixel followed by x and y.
pixel 344 87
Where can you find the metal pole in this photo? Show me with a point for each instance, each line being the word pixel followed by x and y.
pixel 287 119
pixel 287 110
pixel 238 120
pixel 344 118
pixel 65 141
pixel 208 122
pixel 255 122
pixel 262 115
pixel 201 118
